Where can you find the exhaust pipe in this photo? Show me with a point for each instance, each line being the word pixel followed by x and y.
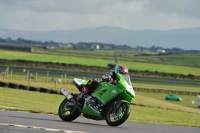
pixel 66 93
pixel 70 98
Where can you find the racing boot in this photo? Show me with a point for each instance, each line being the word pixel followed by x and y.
pixel 80 97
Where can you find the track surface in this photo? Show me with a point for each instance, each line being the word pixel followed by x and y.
pixel 80 124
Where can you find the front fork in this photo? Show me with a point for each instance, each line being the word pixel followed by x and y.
pixel 116 105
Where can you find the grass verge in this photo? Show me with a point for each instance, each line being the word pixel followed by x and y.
pixel 157 111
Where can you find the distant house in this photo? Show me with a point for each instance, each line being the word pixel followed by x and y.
pixel 107 47
pixel 97 46
pixel 50 47
pixel 145 50
pixel 92 47
pixel 161 51
pixel 68 46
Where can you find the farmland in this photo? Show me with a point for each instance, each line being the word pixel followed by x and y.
pixel 101 58
pixel 171 64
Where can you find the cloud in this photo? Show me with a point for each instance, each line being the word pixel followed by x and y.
pixel 187 8
pixel 76 14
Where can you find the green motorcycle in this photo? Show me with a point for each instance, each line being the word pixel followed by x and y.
pixel 109 101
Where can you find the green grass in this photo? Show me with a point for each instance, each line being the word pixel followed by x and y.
pixel 162 116
pixel 161 112
pixel 186 100
pixel 168 86
pixel 21 78
pixel 152 100
pixel 174 59
pixel 44 84
pixel 171 59
pixel 30 101
pixel 90 61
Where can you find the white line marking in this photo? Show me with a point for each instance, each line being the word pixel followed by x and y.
pixel 42 128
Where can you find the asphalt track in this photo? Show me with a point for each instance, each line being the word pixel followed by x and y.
pixel 22 122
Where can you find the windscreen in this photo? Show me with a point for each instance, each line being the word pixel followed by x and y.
pixel 126 76
pixel 128 79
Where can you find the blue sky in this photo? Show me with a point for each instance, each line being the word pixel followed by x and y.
pixel 46 15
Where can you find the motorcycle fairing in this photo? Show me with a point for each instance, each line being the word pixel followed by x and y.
pixel 79 83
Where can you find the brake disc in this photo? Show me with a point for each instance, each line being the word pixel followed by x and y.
pixel 117 113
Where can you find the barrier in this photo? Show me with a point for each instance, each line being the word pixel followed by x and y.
pixel 54 92
pixel 14 86
pixel 24 87
pixel 44 90
pixel 4 84
pixel 33 88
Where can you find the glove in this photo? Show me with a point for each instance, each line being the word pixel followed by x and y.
pixel 106 78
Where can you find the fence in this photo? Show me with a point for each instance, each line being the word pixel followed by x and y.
pixel 39 78
pixel 55 79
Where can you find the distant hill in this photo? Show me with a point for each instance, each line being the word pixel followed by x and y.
pixel 187 39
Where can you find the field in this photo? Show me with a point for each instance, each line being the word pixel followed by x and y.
pixel 172 59
pixel 101 61
pixel 96 58
pixel 134 56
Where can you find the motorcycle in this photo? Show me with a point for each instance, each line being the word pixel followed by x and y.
pixel 109 101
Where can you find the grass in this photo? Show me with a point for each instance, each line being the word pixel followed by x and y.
pixel 167 113
pixel 42 82
pixel 157 100
pixel 168 86
pixel 30 101
pixel 90 61
pixel 21 78
pixel 173 59
pixel 48 85
pixel 161 116
pixel 186 100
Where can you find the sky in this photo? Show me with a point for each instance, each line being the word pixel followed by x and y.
pixel 47 15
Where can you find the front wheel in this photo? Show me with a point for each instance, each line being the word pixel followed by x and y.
pixel 67 111
pixel 118 117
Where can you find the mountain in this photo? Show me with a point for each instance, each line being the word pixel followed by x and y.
pixel 187 39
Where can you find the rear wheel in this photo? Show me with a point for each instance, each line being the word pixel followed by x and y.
pixel 67 111
pixel 116 118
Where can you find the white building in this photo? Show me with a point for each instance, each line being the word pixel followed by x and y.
pixel 97 46
pixel 161 51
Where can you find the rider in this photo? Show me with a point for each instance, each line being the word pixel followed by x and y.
pixel 88 88
pixel 109 77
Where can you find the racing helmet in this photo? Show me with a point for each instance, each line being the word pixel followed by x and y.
pixel 122 69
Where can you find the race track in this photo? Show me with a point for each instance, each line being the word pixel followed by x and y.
pixel 22 122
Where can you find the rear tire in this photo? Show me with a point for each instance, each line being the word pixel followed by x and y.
pixel 119 117
pixel 68 113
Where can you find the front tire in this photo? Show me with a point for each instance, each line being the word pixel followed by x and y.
pixel 67 111
pixel 119 117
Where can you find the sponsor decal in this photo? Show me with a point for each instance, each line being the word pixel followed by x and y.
pixel 114 91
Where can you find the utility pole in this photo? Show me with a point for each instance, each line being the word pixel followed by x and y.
pixel 115 57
